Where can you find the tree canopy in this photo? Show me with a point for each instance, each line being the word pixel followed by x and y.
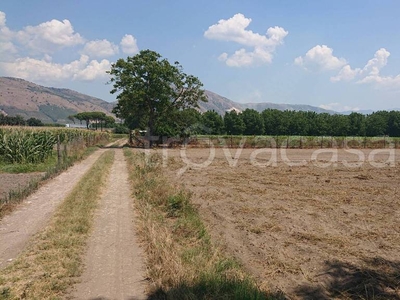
pixel 97 117
pixel 151 91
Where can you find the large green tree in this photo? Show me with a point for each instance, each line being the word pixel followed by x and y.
pixel 254 123
pixel 213 122
pixel 234 123
pixel 150 89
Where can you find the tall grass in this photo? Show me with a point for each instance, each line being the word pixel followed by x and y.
pixel 182 260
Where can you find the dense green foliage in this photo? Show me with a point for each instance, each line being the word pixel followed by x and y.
pixel 23 146
pixel 154 94
pixel 98 118
pixel 273 122
pixel 19 121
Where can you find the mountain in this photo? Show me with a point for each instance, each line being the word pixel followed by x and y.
pixel 51 105
pixel 221 105
pixel 218 103
pixel 21 97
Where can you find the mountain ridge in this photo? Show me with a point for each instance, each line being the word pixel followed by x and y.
pixel 54 105
pixel 27 99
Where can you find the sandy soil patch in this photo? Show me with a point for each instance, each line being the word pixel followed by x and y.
pixel 304 222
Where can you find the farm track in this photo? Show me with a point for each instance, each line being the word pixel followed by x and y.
pixel 17 228
pixel 114 265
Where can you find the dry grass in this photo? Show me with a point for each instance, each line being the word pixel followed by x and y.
pixel 52 261
pixel 182 261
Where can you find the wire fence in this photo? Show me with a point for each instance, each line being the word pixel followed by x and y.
pixel 294 142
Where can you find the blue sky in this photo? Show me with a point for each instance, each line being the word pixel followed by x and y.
pixel 341 55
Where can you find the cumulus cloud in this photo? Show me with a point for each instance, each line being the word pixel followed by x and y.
pixel 5 33
pixel 320 57
pixel 390 82
pixel 2 19
pixel 374 65
pixel 41 41
pixel 346 74
pixel 93 70
pixel 7 48
pixel 49 36
pixel 370 73
pixel 129 44
pixel 339 107
pixel 261 47
pixel 100 48
pixel 46 71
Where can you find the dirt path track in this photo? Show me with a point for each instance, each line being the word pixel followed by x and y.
pixel 114 267
pixel 17 228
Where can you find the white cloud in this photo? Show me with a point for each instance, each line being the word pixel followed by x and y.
pixel 374 65
pixel 93 70
pixel 7 47
pixel 390 82
pixel 49 36
pixel 47 71
pixel 5 33
pixel 100 48
pixel 346 74
pixel 43 40
pixel 320 57
pixel 129 44
pixel 2 19
pixel 323 58
pixel 338 107
pixel 234 30
pixel 370 73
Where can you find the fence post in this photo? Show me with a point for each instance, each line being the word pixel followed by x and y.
pixel 58 150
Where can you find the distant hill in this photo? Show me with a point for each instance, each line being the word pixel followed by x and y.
pixel 21 97
pixel 51 105
pixel 221 105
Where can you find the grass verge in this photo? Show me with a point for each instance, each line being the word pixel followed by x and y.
pixel 52 261
pixel 182 261
pixel 51 169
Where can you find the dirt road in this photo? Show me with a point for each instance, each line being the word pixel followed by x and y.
pixel 114 264
pixel 17 228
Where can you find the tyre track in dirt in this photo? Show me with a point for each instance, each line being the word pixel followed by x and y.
pixel 114 267
pixel 17 228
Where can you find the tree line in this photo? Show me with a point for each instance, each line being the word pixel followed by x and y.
pixel 275 122
pixel 19 121
pixel 97 118
pixel 158 96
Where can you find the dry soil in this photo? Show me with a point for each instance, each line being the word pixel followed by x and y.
pixel 306 223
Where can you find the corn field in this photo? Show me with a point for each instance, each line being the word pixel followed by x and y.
pixel 34 145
